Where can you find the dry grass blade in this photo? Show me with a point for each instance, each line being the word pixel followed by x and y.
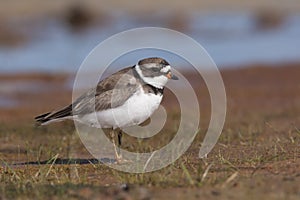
pixel 144 169
pixel 187 174
pixel 230 178
pixel 206 172
pixel 51 166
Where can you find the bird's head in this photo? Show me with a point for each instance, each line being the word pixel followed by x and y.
pixel 155 71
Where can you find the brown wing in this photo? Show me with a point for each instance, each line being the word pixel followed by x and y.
pixel 109 93
pixel 115 80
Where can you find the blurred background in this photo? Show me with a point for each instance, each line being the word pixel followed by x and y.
pixel 55 36
pixel 42 41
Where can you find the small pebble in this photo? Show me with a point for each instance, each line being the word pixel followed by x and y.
pixel 124 187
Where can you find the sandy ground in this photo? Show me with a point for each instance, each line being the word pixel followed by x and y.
pixel 257 156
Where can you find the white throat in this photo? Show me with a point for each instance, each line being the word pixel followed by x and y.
pixel 157 81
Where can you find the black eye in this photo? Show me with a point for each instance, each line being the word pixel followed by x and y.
pixel 164 63
pixel 155 69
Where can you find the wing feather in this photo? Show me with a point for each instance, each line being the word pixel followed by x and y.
pixel 109 93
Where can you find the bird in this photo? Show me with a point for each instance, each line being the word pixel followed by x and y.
pixel 126 98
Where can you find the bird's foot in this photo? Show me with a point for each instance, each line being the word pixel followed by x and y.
pixel 121 160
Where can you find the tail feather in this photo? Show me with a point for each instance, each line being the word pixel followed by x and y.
pixel 54 116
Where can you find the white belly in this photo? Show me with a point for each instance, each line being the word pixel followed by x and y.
pixel 134 111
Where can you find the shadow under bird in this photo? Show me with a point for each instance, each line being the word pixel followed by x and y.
pixel 125 98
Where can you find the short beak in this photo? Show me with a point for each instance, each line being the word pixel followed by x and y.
pixel 172 76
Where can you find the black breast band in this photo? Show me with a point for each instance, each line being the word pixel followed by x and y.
pixel 156 90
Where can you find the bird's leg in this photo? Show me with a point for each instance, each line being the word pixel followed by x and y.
pixel 112 135
pixel 120 158
pixel 120 134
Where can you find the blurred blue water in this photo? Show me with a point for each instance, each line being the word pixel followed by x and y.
pixel 231 39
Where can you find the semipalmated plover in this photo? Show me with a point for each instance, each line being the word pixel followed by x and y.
pixel 126 98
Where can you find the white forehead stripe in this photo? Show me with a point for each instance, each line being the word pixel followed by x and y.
pixel 166 69
pixel 138 70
